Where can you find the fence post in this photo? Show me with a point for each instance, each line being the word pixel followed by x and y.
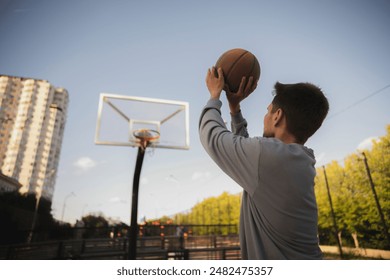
pixel 60 251
pixel 333 215
pixel 378 206
pixel 186 254
pixel 162 241
pixel 223 254
pixel 10 252
pixel 82 251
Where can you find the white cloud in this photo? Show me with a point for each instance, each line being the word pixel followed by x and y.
pixel 366 144
pixel 85 163
pixel 117 200
pixel 197 175
pixel 320 159
pixel 144 181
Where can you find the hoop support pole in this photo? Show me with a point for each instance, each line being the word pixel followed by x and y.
pixel 132 252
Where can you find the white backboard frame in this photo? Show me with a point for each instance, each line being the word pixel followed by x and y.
pixel 132 142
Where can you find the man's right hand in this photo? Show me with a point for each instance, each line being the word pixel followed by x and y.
pixel 245 89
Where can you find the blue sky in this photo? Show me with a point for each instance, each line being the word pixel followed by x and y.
pixel 162 49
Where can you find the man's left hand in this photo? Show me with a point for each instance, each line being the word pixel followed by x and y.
pixel 215 84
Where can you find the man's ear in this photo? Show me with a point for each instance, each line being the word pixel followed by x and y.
pixel 277 117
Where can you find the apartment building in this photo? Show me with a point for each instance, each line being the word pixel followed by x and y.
pixel 32 121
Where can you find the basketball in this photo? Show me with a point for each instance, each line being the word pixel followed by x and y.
pixel 237 63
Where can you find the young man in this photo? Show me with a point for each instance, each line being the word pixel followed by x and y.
pixel 278 217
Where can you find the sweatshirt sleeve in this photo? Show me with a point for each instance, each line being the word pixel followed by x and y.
pixel 239 125
pixel 235 153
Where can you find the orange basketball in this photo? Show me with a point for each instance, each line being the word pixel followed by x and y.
pixel 237 63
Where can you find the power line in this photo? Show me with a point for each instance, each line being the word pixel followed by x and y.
pixel 358 102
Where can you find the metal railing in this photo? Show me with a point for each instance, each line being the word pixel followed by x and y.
pixel 164 247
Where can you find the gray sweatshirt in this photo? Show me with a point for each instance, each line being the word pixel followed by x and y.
pixel 278 218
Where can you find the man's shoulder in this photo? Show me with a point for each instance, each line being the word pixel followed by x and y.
pixel 275 146
pixel 270 141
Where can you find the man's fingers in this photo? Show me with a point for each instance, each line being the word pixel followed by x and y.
pixel 248 86
pixel 208 74
pixel 242 86
pixel 220 73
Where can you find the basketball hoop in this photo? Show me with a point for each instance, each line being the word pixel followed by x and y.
pixel 138 122
pixel 146 136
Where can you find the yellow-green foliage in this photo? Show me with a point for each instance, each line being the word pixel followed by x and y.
pixel 352 196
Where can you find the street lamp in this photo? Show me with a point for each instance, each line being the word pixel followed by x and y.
pixel 38 199
pixel 64 205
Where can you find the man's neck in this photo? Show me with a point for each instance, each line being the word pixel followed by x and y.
pixel 286 137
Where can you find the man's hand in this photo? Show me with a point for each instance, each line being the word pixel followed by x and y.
pixel 245 89
pixel 214 84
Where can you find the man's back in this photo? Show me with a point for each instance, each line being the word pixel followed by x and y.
pixel 280 211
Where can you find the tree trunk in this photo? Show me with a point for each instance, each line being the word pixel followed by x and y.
pixel 339 236
pixel 355 239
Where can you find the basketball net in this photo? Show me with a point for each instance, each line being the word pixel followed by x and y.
pixel 146 138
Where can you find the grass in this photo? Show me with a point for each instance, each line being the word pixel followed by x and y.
pixel 329 256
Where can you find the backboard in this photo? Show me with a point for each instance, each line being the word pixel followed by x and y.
pixel 119 117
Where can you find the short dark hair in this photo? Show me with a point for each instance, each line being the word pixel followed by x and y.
pixel 304 105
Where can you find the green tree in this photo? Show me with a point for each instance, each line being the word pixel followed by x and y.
pixel 95 226
pixel 221 210
pixel 356 212
pixel 16 216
